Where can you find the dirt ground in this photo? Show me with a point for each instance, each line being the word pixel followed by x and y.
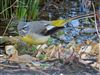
pixel 72 68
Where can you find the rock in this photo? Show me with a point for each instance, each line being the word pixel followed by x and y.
pixel 10 49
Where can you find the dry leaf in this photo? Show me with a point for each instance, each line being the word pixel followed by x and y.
pixel 77 49
pixel 89 47
pixel 96 48
pixel 99 55
pixel 14 57
pixel 52 53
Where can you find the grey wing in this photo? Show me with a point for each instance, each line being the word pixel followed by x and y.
pixel 36 27
pixel 32 27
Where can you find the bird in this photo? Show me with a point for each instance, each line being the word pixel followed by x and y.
pixel 32 32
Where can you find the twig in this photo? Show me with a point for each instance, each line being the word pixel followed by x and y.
pixel 16 70
pixel 96 26
pixel 39 70
pixel 8 7
pixel 7 26
pixel 12 6
pixel 3 65
pixel 51 60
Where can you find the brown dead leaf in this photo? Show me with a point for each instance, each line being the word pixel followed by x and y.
pixel 50 50
pixel 88 47
pixel 52 53
pixel 14 57
pixel 77 49
pixel 95 49
pixel 58 52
